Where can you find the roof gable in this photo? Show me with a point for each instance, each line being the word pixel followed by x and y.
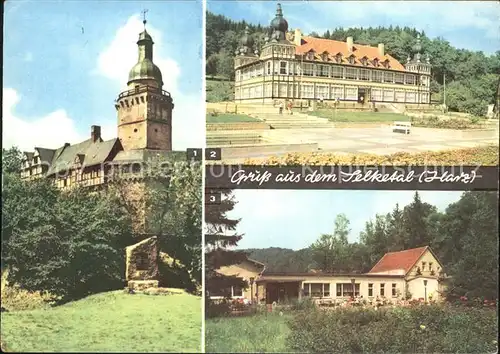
pixel 320 45
pixel 401 261
pixel 87 152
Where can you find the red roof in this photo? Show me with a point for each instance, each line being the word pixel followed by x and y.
pixel 321 45
pixel 399 260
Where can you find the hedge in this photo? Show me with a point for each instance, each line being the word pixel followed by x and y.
pixel 485 155
pixel 419 329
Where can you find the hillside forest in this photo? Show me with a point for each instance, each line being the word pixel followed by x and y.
pixel 464 238
pixel 471 78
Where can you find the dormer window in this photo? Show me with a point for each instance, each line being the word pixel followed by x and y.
pixel 338 58
pixel 386 64
pixel 324 56
pixel 310 55
pixel 375 62
pixel 36 160
pixel 352 59
pixel 364 61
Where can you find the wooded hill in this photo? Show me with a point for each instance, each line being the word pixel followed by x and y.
pixel 472 78
pixel 464 237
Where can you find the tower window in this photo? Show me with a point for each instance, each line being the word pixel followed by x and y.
pixel 135 130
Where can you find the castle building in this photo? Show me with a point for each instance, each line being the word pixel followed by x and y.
pixel 291 66
pixel 144 125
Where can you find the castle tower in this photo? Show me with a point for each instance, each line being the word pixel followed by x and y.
pixel 422 68
pixel 417 65
pixel 145 109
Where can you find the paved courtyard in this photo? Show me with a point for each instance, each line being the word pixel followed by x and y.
pixel 376 140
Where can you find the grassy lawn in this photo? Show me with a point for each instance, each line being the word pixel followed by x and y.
pixel 418 329
pixel 108 322
pixel 230 118
pixel 263 333
pixel 359 117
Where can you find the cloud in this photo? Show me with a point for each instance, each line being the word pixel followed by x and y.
pixel 50 131
pixel 119 57
pixel 28 56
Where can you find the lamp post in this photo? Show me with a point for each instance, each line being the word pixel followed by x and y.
pixel 444 91
pixel 425 290
pixel 252 279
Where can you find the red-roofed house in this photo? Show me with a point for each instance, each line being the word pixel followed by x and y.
pixel 409 274
pixel 295 67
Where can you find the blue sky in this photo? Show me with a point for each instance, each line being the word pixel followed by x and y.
pixel 65 62
pixel 296 218
pixel 465 24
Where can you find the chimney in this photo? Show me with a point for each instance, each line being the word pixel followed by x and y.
pixel 350 44
pixel 95 133
pixel 297 39
pixel 381 49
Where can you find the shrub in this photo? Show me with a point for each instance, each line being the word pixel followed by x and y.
pixel 447 123
pixel 16 299
pixel 305 303
pixel 217 308
pixel 422 329
pixel 69 244
pixel 484 155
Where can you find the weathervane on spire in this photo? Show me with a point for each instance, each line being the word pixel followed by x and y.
pixel 144 17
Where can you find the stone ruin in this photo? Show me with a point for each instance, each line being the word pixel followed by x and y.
pixel 141 270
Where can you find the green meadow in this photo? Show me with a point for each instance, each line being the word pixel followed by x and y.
pixel 108 322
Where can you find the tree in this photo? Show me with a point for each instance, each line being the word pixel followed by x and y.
pixel 323 250
pixel 211 65
pixel 225 64
pixel 475 272
pixel 375 238
pixel 165 200
pixel 11 160
pixel 396 230
pixel 331 252
pixel 220 237
pixel 416 219
pixel 174 207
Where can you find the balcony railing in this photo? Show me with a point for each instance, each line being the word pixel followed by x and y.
pixel 142 89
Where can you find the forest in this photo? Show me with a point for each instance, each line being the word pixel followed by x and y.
pixel 464 238
pixel 471 78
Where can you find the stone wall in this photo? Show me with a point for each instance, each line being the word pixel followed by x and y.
pixel 237 126
pixel 142 260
